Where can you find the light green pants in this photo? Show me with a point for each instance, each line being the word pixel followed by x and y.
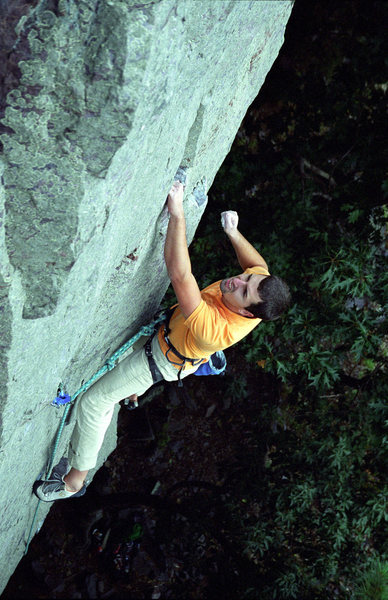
pixel 95 408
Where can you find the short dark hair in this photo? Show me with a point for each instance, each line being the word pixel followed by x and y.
pixel 275 299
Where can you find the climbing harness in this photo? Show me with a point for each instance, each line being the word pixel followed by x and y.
pixel 171 348
pixel 156 374
pixel 64 399
pixel 215 365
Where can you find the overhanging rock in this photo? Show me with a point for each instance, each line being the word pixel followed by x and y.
pixel 112 98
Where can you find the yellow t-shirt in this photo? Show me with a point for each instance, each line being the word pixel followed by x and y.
pixel 211 327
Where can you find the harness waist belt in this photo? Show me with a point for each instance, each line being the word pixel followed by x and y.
pixel 156 374
pixel 171 347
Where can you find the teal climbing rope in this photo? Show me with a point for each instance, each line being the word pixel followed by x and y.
pixel 109 364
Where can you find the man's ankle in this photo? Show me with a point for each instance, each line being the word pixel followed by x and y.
pixel 71 485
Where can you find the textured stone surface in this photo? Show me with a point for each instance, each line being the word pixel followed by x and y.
pixel 112 98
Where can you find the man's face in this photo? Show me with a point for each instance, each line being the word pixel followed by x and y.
pixel 241 291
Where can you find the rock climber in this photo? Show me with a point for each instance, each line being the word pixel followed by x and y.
pixel 202 323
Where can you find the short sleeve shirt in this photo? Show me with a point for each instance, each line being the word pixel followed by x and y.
pixel 210 327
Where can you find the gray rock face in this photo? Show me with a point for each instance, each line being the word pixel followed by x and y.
pixel 112 99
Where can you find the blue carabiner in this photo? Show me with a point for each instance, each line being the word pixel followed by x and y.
pixel 61 399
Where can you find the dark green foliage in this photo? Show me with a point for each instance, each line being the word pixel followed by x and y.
pixel 320 499
pixel 374 583
pixel 307 175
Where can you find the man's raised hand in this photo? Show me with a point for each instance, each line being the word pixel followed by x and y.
pixel 229 221
pixel 175 200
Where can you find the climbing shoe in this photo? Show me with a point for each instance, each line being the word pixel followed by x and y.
pixel 54 488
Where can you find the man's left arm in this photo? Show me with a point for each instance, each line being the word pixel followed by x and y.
pixel 176 254
pixel 246 254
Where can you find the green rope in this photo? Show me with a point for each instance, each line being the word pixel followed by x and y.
pixel 110 364
pixel 47 472
pixel 112 361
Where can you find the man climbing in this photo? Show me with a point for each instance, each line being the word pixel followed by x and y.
pixel 202 323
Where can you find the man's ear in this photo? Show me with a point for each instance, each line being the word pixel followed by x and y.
pixel 245 313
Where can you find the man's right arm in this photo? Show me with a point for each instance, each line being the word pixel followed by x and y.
pixel 246 254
